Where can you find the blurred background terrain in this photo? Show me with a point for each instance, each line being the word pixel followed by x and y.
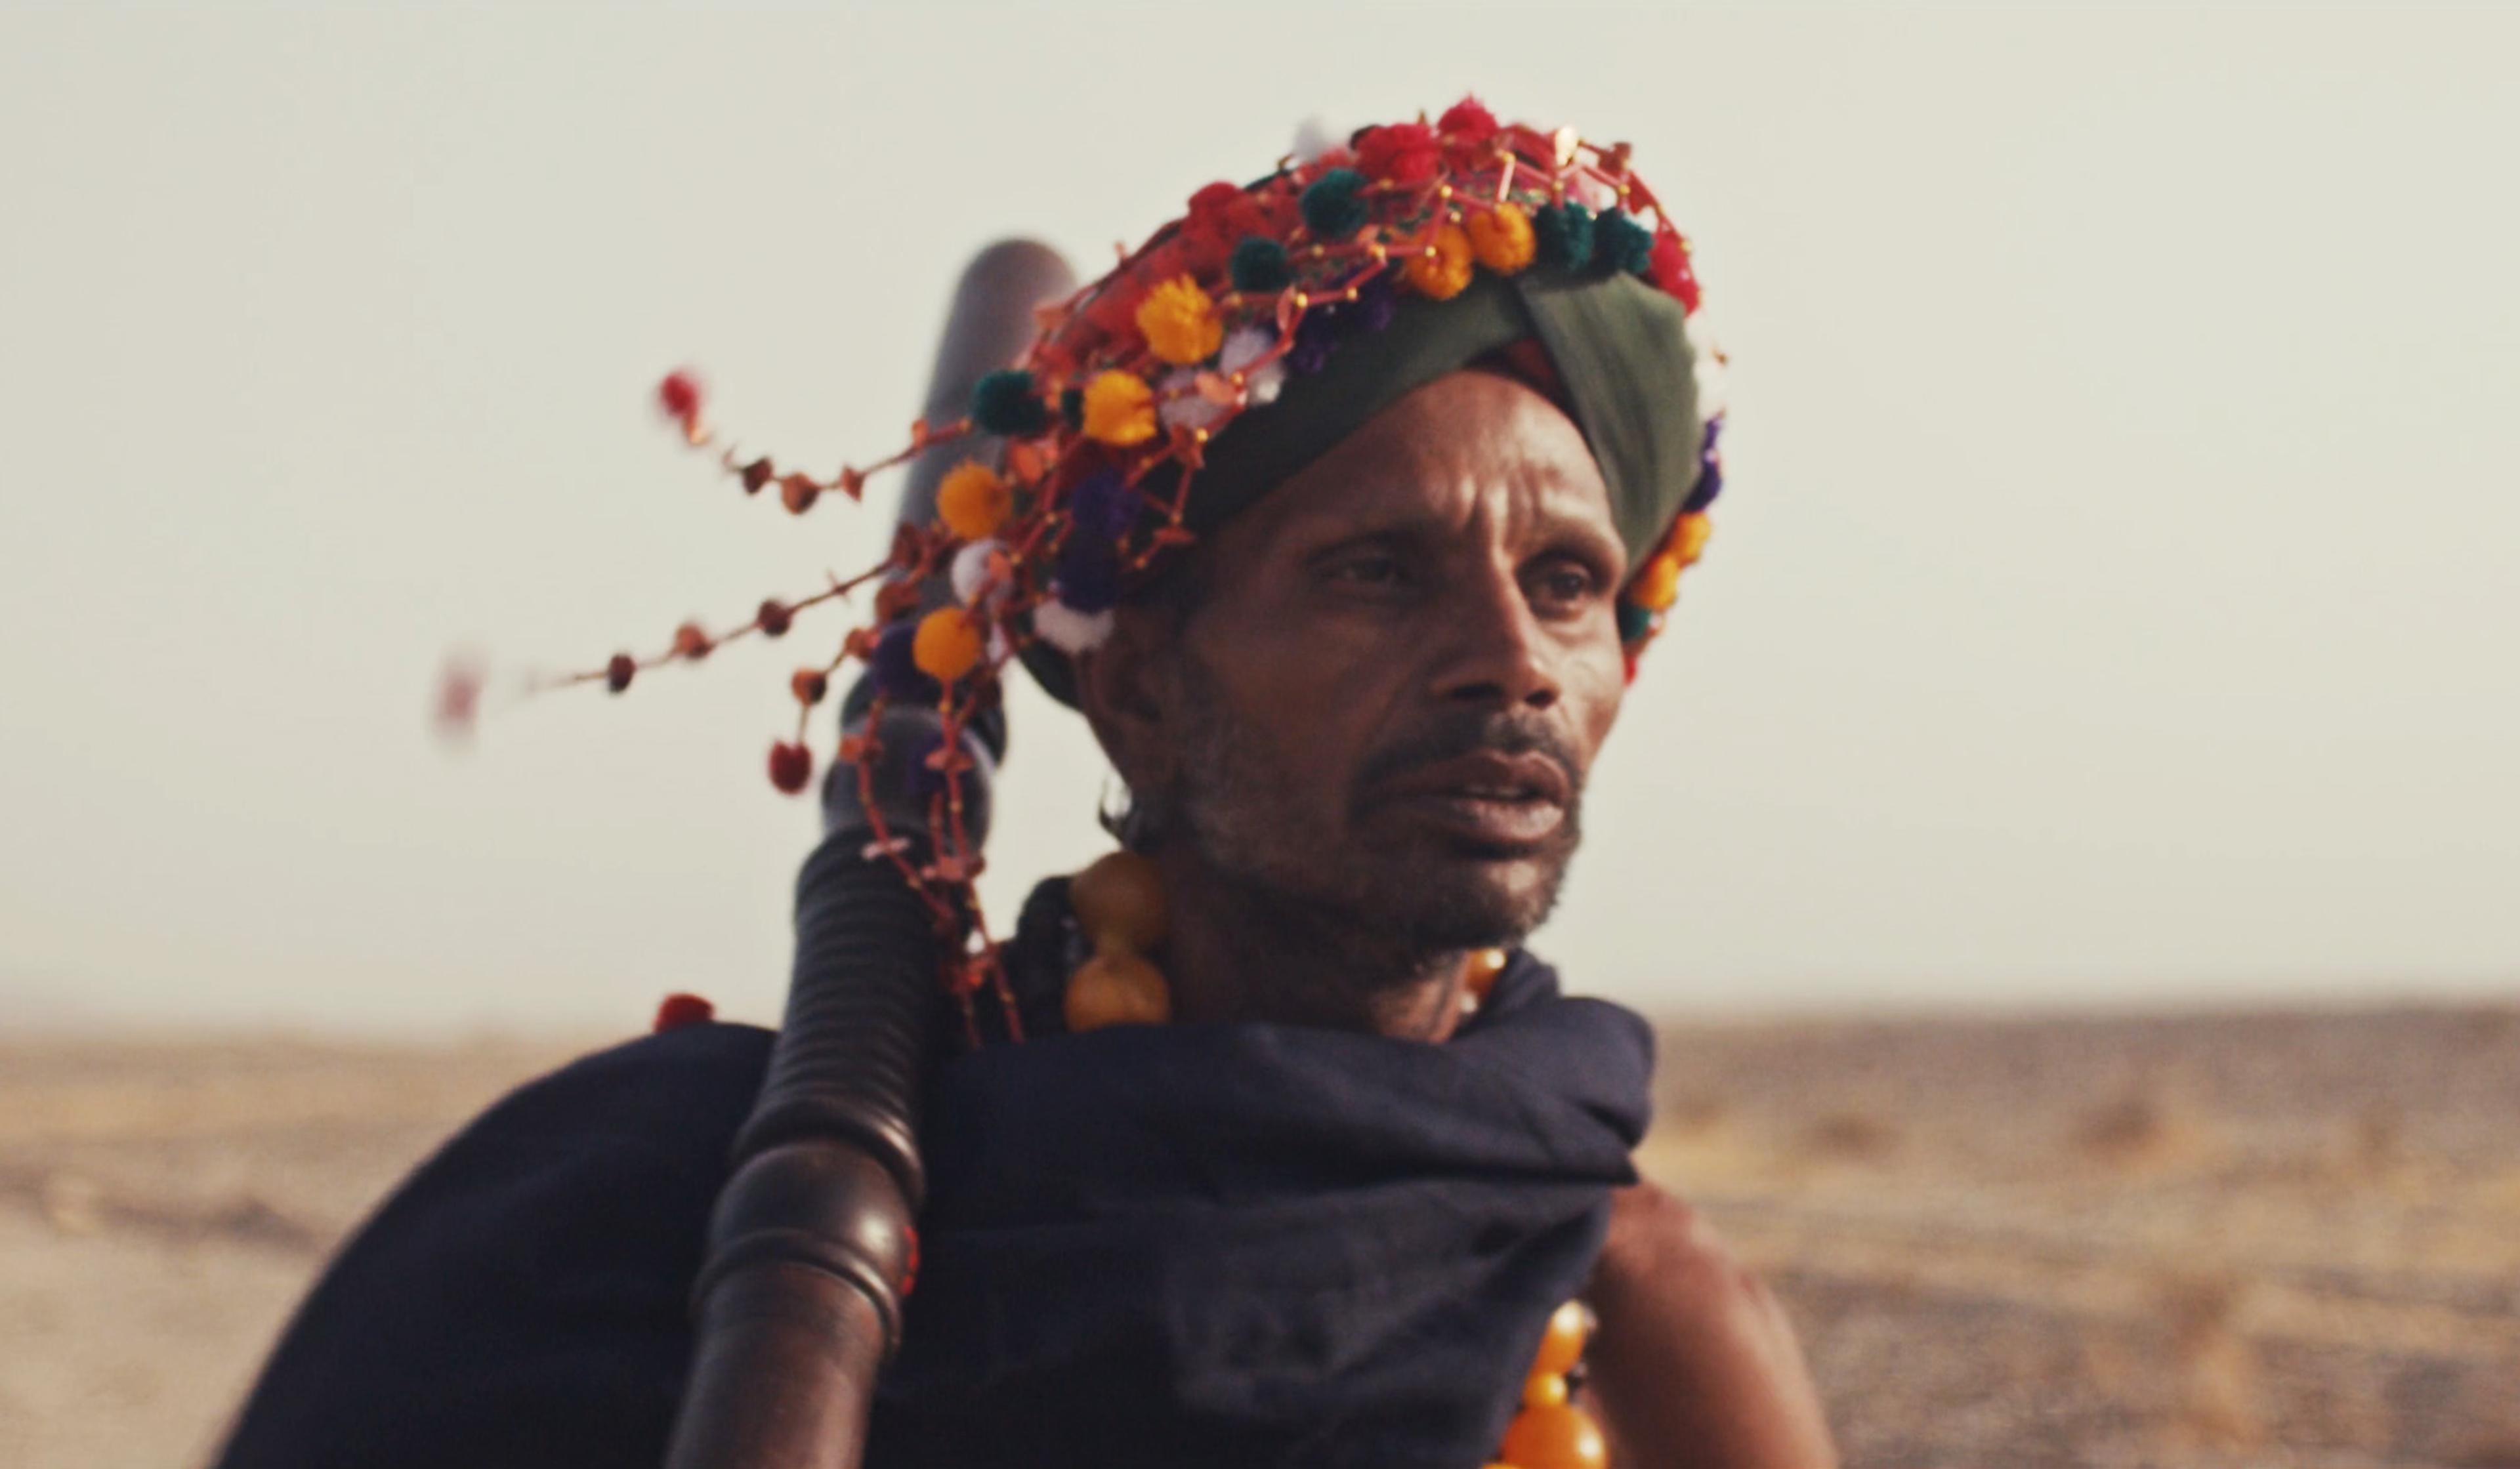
pixel 2245 1239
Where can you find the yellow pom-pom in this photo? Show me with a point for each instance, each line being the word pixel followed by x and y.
pixel 1555 1437
pixel 1119 409
pixel 1696 530
pixel 1658 586
pixel 947 645
pixel 1180 322
pixel 1442 270
pixel 1501 237
pixel 1116 987
pixel 974 501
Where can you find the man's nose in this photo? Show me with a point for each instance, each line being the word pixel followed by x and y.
pixel 1491 647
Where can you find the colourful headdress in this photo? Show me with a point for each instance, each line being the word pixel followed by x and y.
pixel 1234 345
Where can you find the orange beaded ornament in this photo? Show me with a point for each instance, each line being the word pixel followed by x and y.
pixel 1119 904
pixel 1551 1432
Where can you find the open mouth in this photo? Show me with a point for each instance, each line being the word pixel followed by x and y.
pixel 1507 805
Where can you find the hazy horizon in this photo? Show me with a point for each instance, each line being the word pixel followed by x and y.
pixel 2110 606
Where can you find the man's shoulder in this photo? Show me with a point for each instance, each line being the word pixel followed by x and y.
pixel 543 1255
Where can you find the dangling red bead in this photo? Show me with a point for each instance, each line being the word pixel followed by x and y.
pixel 790 767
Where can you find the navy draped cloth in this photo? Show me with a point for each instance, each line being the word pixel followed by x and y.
pixel 1214 1245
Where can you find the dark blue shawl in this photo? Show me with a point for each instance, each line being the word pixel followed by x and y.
pixel 1221 1245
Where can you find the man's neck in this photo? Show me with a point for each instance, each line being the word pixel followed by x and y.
pixel 1237 954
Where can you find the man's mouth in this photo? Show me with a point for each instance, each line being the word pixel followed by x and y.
pixel 1508 804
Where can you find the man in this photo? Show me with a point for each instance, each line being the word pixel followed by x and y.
pixel 1363 489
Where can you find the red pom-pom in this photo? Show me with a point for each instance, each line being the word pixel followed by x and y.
pixel 678 1010
pixel 1220 215
pixel 679 395
pixel 1467 121
pixel 791 766
pixel 618 672
pixel 774 617
pixel 1405 152
pixel 1670 267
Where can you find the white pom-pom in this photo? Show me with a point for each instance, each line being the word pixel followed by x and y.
pixel 1068 630
pixel 970 568
pixel 1184 405
pixel 1708 358
pixel 1245 347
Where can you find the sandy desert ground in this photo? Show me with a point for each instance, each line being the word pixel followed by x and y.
pixel 2261 1239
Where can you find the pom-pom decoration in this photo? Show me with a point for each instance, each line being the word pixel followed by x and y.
pixel 1119 409
pixel 974 500
pixel 1442 269
pixel 1180 322
pixel 1501 237
pixel 1102 423
pixel 1008 402
pixel 1260 263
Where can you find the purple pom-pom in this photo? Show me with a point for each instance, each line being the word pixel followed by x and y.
pixel 1710 483
pixel 1089 575
pixel 895 665
pixel 1710 473
pixel 1375 301
pixel 1315 335
pixel 1102 504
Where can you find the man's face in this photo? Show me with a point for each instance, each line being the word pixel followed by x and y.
pixel 1397 671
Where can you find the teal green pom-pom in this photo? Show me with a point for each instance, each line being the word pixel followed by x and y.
pixel 1331 209
pixel 1071 407
pixel 1623 243
pixel 1260 264
pixel 1004 402
pixel 1563 236
pixel 1634 621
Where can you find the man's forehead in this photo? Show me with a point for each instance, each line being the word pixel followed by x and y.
pixel 1467 432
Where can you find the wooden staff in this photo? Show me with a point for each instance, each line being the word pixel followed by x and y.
pixel 812 1245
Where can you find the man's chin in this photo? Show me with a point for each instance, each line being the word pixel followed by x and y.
pixel 1463 899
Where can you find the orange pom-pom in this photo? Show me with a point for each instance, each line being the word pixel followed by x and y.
pixel 974 501
pixel 1180 322
pixel 1657 585
pixel 1559 1436
pixel 947 645
pixel 1116 987
pixel 1119 902
pixel 1501 237
pixel 1442 270
pixel 1119 409
pixel 1696 530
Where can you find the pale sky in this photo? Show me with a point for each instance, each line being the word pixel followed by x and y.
pixel 2112 602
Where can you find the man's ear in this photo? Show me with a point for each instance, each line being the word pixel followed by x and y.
pixel 1127 689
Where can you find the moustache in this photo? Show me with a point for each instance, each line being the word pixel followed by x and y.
pixel 1504 733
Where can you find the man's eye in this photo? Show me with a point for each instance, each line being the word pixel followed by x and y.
pixel 1564 585
pixel 1368 568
